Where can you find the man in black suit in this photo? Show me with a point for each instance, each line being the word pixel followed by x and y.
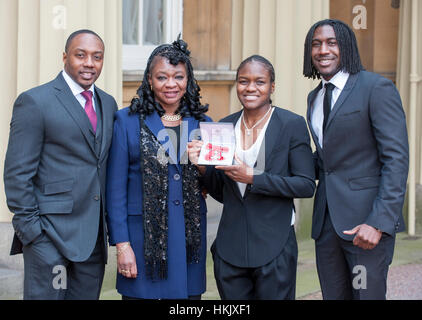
pixel 358 125
pixel 54 176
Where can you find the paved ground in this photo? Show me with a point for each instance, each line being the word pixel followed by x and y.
pixel 404 283
pixel 404 277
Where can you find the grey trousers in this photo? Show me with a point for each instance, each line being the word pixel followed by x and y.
pixel 347 272
pixel 48 275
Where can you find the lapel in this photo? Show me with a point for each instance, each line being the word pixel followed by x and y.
pixel 105 119
pixel 233 184
pixel 72 106
pixel 154 123
pixel 311 98
pixel 271 136
pixel 343 96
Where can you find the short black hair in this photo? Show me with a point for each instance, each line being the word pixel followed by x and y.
pixel 267 64
pixel 74 34
pixel 190 105
pixel 349 54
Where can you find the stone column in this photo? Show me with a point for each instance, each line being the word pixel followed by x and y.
pixel 33 34
pixel 277 30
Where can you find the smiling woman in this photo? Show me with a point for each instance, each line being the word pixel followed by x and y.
pixel 255 251
pixel 156 210
pixel 168 82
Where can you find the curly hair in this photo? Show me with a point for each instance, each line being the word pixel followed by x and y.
pixel 349 54
pixel 190 104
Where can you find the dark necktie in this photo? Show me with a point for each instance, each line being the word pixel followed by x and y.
pixel 329 87
pixel 89 109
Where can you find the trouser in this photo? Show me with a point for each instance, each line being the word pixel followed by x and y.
pixel 348 272
pixel 275 280
pixel 48 275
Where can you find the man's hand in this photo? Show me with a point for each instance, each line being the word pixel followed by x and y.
pixel 366 237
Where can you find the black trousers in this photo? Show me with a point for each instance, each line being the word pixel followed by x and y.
pixel 48 275
pixel 348 272
pixel 274 281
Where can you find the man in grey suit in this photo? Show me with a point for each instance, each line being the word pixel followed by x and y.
pixel 358 125
pixel 54 176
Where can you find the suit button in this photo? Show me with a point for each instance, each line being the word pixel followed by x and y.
pixel 176 202
pixel 98 166
pixel 176 177
pixel 96 198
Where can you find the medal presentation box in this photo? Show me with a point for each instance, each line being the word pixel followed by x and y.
pixel 219 144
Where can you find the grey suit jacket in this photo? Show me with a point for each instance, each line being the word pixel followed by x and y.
pixel 55 169
pixel 363 165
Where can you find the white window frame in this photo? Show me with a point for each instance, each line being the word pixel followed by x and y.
pixel 135 57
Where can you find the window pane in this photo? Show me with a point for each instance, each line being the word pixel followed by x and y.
pixel 152 22
pixel 130 21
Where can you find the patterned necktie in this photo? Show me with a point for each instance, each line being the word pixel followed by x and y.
pixel 329 87
pixel 89 109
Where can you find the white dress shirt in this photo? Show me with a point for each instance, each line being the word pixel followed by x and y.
pixel 250 155
pixel 317 117
pixel 77 90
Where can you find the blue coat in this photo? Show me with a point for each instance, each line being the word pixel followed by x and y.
pixel 124 208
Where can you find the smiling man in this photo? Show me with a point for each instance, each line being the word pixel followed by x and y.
pixel 54 176
pixel 359 128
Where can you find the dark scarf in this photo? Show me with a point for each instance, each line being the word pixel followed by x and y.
pixel 154 169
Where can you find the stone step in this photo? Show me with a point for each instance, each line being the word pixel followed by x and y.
pixel 11 284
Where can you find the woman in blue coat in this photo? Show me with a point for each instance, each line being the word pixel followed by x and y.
pixel 156 210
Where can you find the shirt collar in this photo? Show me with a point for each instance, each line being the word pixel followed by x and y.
pixel 339 79
pixel 74 87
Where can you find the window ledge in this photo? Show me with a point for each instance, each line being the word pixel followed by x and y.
pixel 200 75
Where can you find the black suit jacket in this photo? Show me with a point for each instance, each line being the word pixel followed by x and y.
pixel 254 228
pixel 363 164
pixel 55 169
